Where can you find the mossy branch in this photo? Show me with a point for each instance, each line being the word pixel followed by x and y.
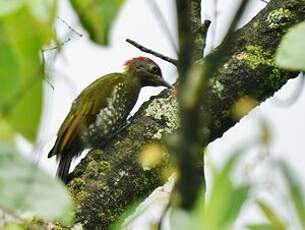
pixel 109 180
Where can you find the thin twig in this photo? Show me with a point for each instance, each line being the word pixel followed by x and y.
pixel 43 63
pixel 58 46
pixel 70 27
pixel 149 51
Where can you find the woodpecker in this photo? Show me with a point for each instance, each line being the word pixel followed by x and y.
pixel 101 110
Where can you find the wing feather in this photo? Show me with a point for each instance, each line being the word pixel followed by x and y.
pixel 83 112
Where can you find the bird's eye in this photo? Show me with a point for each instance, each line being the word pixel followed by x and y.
pixel 155 69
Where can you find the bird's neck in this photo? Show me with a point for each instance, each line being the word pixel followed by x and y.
pixel 134 78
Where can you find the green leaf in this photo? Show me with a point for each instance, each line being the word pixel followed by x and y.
pixel 25 188
pixel 97 16
pixel 237 198
pixel 296 193
pixel 222 206
pixel 24 31
pixel 260 227
pixel 290 53
pixel 270 214
pixel 222 195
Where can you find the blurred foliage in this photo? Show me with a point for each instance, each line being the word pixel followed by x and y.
pixel 222 207
pixel 25 188
pixel 25 26
pixel 97 16
pixel 259 227
pixel 290 54
pixel 12 226
pixel 296 193
pixel 274 219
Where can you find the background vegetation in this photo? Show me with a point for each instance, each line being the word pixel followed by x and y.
pixel 172 129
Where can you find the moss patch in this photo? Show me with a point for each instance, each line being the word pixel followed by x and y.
pixel 255 56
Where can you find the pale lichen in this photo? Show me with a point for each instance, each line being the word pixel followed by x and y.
pixel 279 18
pixel 217 88
pixel 164 109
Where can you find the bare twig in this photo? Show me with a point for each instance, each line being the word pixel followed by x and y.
pixel 43 63
pixel 68 39
pixel 156 54
pixel 57 47
pixel 69 27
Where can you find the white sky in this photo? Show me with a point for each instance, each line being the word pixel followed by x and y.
pixel 81 62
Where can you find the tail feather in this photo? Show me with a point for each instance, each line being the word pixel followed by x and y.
pixel 63 167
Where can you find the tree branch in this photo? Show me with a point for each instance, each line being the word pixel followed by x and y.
pixel 154 53
pixel 109 180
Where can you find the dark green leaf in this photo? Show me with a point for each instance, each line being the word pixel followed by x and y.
pixel 97 16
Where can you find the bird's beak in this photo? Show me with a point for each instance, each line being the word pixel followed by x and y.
pixel 162 82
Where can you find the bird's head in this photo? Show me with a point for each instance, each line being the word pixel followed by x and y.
pixel 148 72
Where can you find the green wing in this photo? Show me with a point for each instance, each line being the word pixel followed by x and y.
pixel 84 110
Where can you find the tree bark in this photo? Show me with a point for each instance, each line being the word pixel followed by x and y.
pixel 108 180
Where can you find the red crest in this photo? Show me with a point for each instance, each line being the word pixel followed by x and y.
pixel 133 60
